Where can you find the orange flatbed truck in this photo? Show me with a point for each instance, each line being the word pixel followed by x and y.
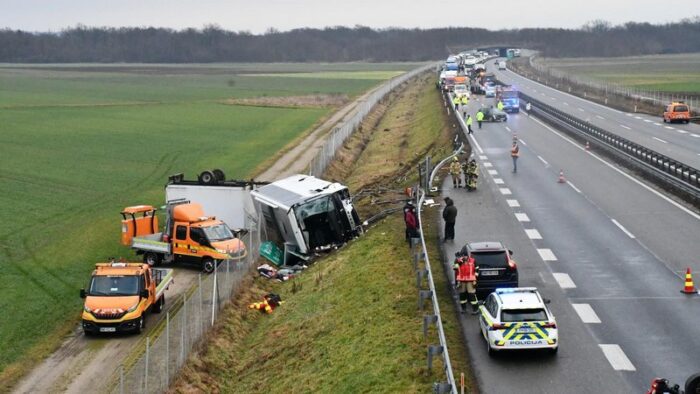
pixel 188 236
pixel 120 294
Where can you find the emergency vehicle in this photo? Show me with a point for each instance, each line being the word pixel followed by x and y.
pixel 517 318
pixel 677 112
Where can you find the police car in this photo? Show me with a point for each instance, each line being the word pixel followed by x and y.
pixel 517 318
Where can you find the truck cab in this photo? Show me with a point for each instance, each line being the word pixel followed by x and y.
pixel 189 236
pixel 120 294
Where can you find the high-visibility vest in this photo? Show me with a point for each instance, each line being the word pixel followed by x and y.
pixel 479 116
pixel 500 105
pixel 467 271
pixel 470 120
pixel 465 100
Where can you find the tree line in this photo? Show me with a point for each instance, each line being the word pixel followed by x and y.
pixel 337 44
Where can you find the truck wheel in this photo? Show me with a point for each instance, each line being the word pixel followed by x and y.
pixel 219 175
pixel 208 265
pixel 207 178
pixel 141 325
pixel 158 307
pixel 692 385
pixel 152 259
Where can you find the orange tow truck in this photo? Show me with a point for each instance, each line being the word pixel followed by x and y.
pixel 189 236
pixel 120 294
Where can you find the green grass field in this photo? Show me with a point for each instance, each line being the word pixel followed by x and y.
pixel 77 145
pixel 668 73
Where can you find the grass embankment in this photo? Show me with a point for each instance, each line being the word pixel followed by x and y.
pixel 350 322
pixel 79 144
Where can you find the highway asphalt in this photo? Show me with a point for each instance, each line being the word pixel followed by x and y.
pixel 678 141
pixel 609 250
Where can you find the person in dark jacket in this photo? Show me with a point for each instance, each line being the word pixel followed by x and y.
pixel 449 214
pixel 411 220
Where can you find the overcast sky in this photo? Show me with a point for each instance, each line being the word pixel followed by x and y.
pixel 259 15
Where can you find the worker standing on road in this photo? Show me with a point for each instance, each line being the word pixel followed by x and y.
pixel 469 122
pixel 500 105
pixel 464 102
pixel 479 118
pixel 514 153
pixel 449 214
pixel 466 277
pixel 455 101
pixel 456 171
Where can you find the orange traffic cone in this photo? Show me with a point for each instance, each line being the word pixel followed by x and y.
pixel 689 287
pixel 561 177
pixel 588 146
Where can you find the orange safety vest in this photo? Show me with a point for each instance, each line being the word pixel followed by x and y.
pixel 467 271
pixel 515 151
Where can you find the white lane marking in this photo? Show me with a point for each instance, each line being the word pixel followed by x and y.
pixel 638 182
pixel 586 313
pixel 534 90
pixel 498 181
pixel 554 98
pixel 564 280
pixel 625 127
pixel 523 142
pixel 695 135
pixel 513 203
pixel 488 164
pixel 657 124
pixel 505 191
pixel 542 160
pixel 508 128
pixel 599 117
pixel 573 187
pixel 629 114
pixel 581 109
pixel 682 131
pixel 669 127
pixel 478 147
pixel 660 140
pixel 617 358
pixel 647 120
pixel 522 217
pixel 547 254
pixel 638 117
pixel 544 94
pixel 533 233
pixel 624 230
pixel 493 172
pixel 565 103
pixel 483 157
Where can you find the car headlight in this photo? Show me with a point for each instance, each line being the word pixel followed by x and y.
pixel 86 309
pixel 133 307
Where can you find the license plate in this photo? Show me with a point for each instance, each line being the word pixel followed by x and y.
pixel 488 273
pixel 525 330
pixel 108 329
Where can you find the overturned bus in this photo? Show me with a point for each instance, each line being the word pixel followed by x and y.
pixel 304 215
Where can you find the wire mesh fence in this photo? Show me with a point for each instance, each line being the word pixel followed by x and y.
pixel 653 97
pixel 340 133
pixel 167 346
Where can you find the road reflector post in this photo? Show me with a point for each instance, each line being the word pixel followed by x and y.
pixel 461 382
pixel 428 320
pixel 433 350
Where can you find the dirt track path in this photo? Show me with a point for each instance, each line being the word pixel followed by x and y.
pixel 84 365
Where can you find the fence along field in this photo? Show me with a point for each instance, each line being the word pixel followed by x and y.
pixel 78 144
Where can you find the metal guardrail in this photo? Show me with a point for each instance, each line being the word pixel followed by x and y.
pixel 342 131
pixel 674 172
pixel 421 253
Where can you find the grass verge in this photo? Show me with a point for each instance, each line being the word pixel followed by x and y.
pixel 350 322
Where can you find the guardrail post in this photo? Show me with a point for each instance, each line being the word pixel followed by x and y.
pixel 442 387
pixel 433 350
pixel 420 275
pixel 428 320
pixel 424 295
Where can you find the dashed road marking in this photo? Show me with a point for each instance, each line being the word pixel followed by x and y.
pixel 488 164
pixel 547 254
pixel 581 109
pixel 586 313
pixel 522 217
pixel 508 128
pixel 498 181
pixel 505 191
pixel 542 160
pixel 483 157
pixel 617 358
pixel 682 131
pixel 565 103
pixel 573 187
pixel 695 135
pixel 533 233
pixel 621 227
pixel 657 124
pixel 625 127
pixel 669 127
pixel 647 120
pixel 599 117
pixel 523 142
pixel 660 140
pixel 493 172
pixel 513 203
pixel 564 280
pixel 629 114
pixel 638 117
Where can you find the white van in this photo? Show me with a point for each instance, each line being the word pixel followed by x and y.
pixel 502 65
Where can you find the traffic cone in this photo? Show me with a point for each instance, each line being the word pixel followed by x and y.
pixel 561 177
pixel 689 287
pixel 588 146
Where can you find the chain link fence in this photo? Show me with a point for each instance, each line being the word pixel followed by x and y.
pixel 342 131
pixel 168 345
pixel 653 97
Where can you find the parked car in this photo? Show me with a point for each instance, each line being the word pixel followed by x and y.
pixel 495 266
pixel 493 114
